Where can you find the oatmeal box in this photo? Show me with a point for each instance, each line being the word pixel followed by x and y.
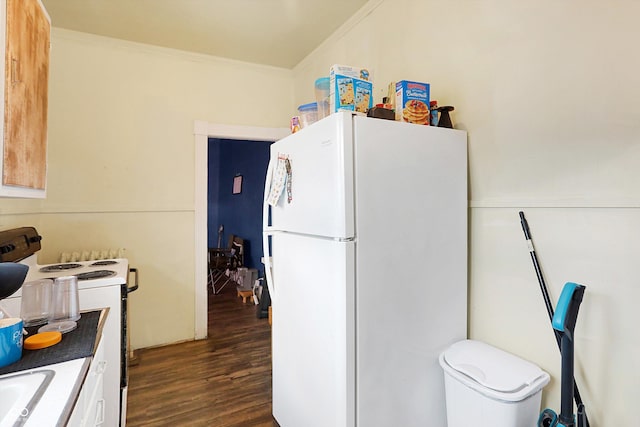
pixel 412 102
pixel 350 89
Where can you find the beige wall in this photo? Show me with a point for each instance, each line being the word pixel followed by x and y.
pixel 121 161
pixel 548 92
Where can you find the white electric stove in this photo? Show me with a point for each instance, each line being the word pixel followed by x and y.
pixel 101 283
pixel 90 274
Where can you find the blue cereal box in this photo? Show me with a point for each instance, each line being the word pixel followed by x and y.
pixel 412 102
pixel 350 89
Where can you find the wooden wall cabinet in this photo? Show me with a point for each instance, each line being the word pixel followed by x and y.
pixel 25 39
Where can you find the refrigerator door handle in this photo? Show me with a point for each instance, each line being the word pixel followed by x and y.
pixel 267 266
pixel 265 234
pixel 267 189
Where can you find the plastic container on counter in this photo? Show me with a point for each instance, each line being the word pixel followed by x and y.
pixel 35 305
pixel 308 114
pixel 322 96
pixel 10 340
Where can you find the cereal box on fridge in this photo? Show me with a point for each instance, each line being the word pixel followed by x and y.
pixel 412 102
pixel 350 89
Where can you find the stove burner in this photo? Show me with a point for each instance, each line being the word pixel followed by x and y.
pixel 59 267
pixel 98 274
pixel 105 262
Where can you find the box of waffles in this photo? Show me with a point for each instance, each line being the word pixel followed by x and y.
pixel 350 89
pixel 412 102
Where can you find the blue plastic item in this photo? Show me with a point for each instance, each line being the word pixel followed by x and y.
pixel 10 340
pixel 308 114
pixel 560 317
pixel 312 106
pixel 322 83
pixel 548 418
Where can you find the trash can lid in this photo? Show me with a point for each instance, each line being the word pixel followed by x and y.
pixel 492 369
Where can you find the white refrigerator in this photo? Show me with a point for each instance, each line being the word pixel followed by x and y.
pixel 365 243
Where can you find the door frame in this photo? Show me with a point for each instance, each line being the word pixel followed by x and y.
pixel 202 131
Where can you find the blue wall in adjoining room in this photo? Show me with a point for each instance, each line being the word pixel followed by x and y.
pixel 240 214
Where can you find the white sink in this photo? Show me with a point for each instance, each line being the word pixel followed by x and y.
pixel 20 393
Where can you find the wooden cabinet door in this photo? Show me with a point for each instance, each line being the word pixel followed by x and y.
pixel 26 94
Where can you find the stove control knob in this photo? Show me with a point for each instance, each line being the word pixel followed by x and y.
pixel 35 239
pixel 7 248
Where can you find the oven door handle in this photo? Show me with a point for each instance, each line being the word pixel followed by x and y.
pixel 135 286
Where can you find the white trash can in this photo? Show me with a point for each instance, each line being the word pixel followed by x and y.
pixel 486 386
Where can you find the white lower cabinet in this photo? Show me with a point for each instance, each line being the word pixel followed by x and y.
pixel 90 406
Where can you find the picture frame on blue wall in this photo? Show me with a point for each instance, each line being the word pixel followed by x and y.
pixel 237 184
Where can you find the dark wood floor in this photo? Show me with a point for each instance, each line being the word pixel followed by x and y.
pixel 223 381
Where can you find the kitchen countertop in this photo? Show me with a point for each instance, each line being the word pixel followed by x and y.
pixel 70 360
pixel 76 344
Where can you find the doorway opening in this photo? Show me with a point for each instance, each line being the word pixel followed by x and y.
pixel 235 191
pixel 203 131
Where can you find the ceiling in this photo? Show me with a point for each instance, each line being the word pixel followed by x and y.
pixel 271 32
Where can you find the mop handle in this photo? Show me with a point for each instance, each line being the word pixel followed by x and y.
pixel 547 302
pixel 536 266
